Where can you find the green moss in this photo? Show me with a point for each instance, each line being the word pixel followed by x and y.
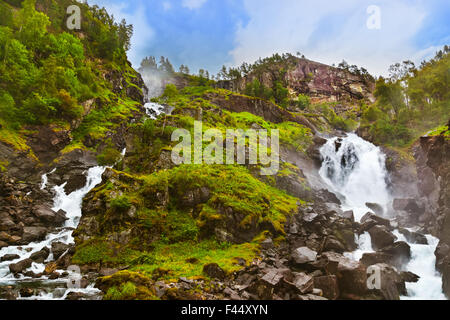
pixel 442 130
pixel 121 204
pixel 3 165
pixel 102 251
pixel 186 259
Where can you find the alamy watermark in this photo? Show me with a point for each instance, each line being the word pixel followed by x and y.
pixel 253 147
pixel 74 20
pixel 74 278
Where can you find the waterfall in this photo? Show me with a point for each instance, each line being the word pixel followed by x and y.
pixel 354 169
pixel 71 204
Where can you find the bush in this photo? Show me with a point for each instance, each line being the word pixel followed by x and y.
pixel 303 102
pixel 170 91
pixel 108 157
pixel 121 204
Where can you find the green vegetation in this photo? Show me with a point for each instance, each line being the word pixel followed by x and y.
pixel 48 73
pixel 171 237
pixel 410 103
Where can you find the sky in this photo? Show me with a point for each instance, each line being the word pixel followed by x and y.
pixel 210 33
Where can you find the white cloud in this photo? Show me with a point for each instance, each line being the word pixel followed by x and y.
pixel 329 31
pixel 193 4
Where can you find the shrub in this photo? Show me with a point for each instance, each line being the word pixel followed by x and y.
pixel 303 102
pixel 170 91
pixel 109 156
pixel 121 204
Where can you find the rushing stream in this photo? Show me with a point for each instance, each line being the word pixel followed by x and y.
pixel 354 169
pixel 71 204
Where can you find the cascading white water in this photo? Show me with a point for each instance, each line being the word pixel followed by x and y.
pixel 153 110
pixel 423 261
pixel 355 169
pixel 71 204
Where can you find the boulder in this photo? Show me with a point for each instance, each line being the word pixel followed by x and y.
pixel 328 285
pixel 273 276
pixel 377 220
pixel 401 253
pixel 214 271
pixel 9 257
pixel 40 256
pixel 409 277
pixel 391 284
pixel 349 215
pixel 303 255
pixel 31 234
pixel 414 237
pixel 375 207
pixel 408 205
pixel 442 251
pixel 372 258
pixel 352 276
pixel 58 249
pixel 381 237
pixel 303 282
pixel 332 244
pixel 20 266
pixel 47 215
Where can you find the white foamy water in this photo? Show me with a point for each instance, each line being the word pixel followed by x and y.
pixel 153 110
pixel 423 263
pixel 355 169
pixel 71 204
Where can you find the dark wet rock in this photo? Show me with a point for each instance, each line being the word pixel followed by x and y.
pixel 195 197
pixel 8 293
pixel 75 181
pixel 274 276
pixel 332 244
pixel 349 215
pixel 409 277
pixel 214 271
pixel 375 207
pixel 20 266
pixel 58 249
pixel 409 205
pixel 267 244
pixel 47 215
pixel 104 272
pixel 401 252
pixel 414 237
pixel 391 285
pixel 9 257
pixel 372 258
pixel 31 234
pixel 26 292
pixel 325 196
pixel 40 256
pixel 442 251
pixel 381 237
pixel 352 276
pixel 303 282
pixel 328 285
pixel 370 220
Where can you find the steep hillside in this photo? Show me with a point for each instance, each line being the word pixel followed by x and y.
pixel 61 89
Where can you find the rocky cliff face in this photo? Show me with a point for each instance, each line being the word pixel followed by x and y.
pixel 421 186
pixel 321 82
pixel 437 150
